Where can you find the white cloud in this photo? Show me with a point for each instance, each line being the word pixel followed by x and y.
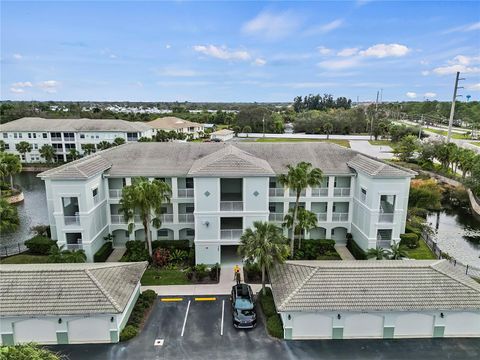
pixel 49 86
pixel 324 28
pixel 259 62
pixel 425 72
pixel 474 87
pixel 17 90
pixel 339 64
pixel 222 52
pixel 271 26
pixel 430 95
pixel 112 56
pixel 385 50
pixel 460 63
pixel 22 84
pixel 168 46
pixel 176 72
pixel 348 52
pixel 411 95
pixel 324 50
pixel 464 28
pixel 17 56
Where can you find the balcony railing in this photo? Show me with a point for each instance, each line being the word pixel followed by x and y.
pixel 294 193
pixel 317 192
pixel 341 192
pixel 276 192
pixel 117 219
pixel 231 234
pixel 115 193
pixel 186 218
pixel 96 199
pixel 385 218
pixel 384 244
pixel 185 193
pixel 166 218
pixel 72 220
pixel 55 138
pixel 231 205
pixel 74 246
pixel 340 217
pixel 277 217
pixel 322 216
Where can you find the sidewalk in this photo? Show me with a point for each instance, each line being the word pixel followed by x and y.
pixel 344 253
pixel 116 255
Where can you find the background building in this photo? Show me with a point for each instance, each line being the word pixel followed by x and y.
pixel 171 123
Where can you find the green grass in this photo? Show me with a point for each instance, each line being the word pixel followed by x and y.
pixel 422 252
pixel 25 259
pixel 475 143
pixel 445 133
pixel 381 142
pixel 153 276
pixel 344 143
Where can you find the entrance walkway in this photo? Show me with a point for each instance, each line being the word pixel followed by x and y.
pixel 116 254
pixel 344 253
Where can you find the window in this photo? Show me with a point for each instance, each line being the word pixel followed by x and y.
pixel 57 146
pixel 384 234
pixel 189 183
pixel 95 192
pixel 20 135
pixel 56 136
pixel 69 146
pixel 7 146
pixel 35 146
pixel 5 135
pixel 189 209
pixel 15 135
pixel 45 135
pixel 29 135
pixel 34 135
pixel 82 136
pixel 23 157
pixel 272 208
pixel 162 233
pixel 363 195
pixel 190 232
pixel 387 203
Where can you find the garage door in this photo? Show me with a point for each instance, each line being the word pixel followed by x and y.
pixel 414 325
pixel 35 330
pixel 312 326
pixel 462 324
pixel 363 326
pixel 88 330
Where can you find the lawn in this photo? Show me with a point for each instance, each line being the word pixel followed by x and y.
pixel 475 143
pixel 344 143
pixel 25 259
pixel 381 142
pixel 422 252
pixel 153 276
pixel 445 133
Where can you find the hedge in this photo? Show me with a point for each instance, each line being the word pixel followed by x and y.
pixel 268 305
pixel 411 229
pixel 103 253
pixel 274 321
pixel 313 249
pixel 144 302
pixel 275 326
pixel 40 245
pixel 128 332
pixel 356 250
pixel 410 240
pixel 171 244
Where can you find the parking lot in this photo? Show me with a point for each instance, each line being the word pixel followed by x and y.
pixel 191 328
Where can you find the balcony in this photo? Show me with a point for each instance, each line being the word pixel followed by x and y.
pixel 384 244
pixel 231 205
pixel 276 217
pixel 186 218
pixel 341 192
pixel 117 219
pixel 318 192
pixel 96 199
pixel 74 246
pixel 340 217
pixel 115 193
pixel 166 218
pixel 385 218
pixel 279 192
pixel 231 234
pixel 185 193
pixel 322 216
pixel 293 193
pixel 71 220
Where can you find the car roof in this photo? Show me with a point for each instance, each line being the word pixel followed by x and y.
pixel 242 290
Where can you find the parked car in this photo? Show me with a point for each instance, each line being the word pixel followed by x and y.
pixel 244 315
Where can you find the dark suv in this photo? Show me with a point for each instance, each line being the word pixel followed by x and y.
pixel 243 307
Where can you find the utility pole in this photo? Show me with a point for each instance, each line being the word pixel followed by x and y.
pixel 381 96
pixel 420 131
pixel 374 116
pixel 452 109
pixel 263 121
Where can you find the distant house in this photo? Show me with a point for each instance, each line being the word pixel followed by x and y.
pixel 222 135
pixel 171 123
pixel 210 126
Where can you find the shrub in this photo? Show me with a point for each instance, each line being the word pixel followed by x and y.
pixel 267 303
pixel 43 230
pixel 103 253
pixel 312 249
pixel 161 257
pixel 171 244
pixel 412 229
pixel 200 271
pixel 39 245
pixel 27 351
pixel 275 326
pixel 136 251
pixel 128 332
pixel 356 250
pixel 191 257
pixel 149 296
pixel 410 240
pixel 215 272
pixel 178 256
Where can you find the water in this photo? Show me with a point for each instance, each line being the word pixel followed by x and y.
pixel 458 234
pixel 33 211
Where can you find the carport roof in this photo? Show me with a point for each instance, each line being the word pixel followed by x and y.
pixel 67 289
pixel 388 285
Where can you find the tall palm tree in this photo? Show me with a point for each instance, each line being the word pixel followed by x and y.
pixel 397 252
pixel 9 220
pixel 306 220
pixel 147 198
pixel 118 141
pixel 23 147
pixel 298 178
pixel 74 154
pixel 265 245
pixel 47 152
pixel 377 253
pixel 10 165
pixel 88 149
pixel 467 160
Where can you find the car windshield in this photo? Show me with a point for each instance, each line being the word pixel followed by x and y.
pixel 243 304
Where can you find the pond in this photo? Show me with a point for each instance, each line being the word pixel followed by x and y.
pixel 457 233
pixel 33 211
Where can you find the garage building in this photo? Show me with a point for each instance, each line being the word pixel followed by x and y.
pixel 375 299
pixel 67 303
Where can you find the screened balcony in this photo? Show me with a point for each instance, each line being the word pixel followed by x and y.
pixel 231 194
pixel 231 228
pixel 341 186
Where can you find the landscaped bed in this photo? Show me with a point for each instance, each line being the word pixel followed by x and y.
pixel 272 318
pixel 139 314
pixel 421 252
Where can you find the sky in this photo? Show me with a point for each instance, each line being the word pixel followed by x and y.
pixel 238 51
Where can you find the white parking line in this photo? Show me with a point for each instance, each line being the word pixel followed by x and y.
pixel 186 315
pixel 223 313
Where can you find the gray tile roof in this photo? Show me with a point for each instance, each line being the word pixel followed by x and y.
pixel 156 159
pixel 230 161
pixel 86 125
pixel 386 285
pixel 79 169
pixel 67 289
pixel 172 123
pixel 375 168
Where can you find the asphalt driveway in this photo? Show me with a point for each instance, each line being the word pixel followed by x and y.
pixel 192 329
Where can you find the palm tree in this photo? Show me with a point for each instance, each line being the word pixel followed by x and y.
pixel 467 159
pixel 265 245
pixel 73 154
pixel 306 220
pixel 298 178
pixel 9 220
pixel 23 147
pixel 88 148
pixel 327 129
pixel 10 165
pixel 147 198
pixel 118 141
pixel 397 252
pixel 103 145
pixel 47 152
pixel 75 256
pixel 377 253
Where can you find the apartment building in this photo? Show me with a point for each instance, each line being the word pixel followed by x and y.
pixel 67 134
pixel 172 123
pixel 219 190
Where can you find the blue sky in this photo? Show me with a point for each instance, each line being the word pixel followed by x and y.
pixel 237 51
